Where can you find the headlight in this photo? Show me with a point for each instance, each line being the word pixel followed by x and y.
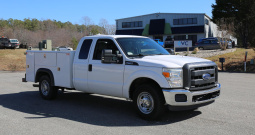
pixel 174 77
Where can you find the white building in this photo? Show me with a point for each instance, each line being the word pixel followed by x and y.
pixel 180 26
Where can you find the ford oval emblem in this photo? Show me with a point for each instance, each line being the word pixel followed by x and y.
pixel 206 76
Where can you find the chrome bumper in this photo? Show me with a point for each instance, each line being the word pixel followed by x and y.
pixel 192 98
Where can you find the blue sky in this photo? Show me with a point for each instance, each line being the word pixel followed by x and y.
pixel 75 10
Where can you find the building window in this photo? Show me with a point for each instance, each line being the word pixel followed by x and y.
pixel 206 21
pixel 132 24
pixel 175 21
pixel 185 21
pixel 194 20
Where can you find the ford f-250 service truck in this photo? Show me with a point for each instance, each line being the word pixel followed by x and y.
pixel 131 67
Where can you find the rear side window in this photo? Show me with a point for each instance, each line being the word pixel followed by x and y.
pixel 214 41
pixel 85 49
pixel 206 42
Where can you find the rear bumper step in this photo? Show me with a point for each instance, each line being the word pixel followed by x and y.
pixel 24 79
pixel 35 85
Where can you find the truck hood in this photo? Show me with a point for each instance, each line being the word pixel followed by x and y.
pixel 170 61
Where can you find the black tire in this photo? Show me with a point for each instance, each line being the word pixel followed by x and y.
pixel 149 101
pixel 47 91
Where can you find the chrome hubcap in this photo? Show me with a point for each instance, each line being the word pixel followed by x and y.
pixel 45 87
pixel 145 102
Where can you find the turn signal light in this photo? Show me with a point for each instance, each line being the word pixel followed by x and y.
pixel 166 74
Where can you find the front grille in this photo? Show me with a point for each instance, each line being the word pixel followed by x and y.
pixel 193 76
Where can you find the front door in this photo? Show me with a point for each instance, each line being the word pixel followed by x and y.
pixel 105 78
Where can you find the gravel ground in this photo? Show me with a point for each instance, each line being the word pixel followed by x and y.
pixel 207 53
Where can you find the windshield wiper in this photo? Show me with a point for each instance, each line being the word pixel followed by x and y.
pixel 161 54
pixel 140 54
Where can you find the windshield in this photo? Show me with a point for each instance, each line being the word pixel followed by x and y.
pixel 136 47
pixel 14 40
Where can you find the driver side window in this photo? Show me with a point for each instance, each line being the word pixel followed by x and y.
pixel 104 44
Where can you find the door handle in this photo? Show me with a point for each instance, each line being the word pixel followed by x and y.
pixel 90 67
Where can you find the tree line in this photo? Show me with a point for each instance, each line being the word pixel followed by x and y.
pixel 32 31
pixel 236 17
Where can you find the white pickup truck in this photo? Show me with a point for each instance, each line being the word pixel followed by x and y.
pixel 131 67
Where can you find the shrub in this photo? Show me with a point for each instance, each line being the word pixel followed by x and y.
pixel 195 51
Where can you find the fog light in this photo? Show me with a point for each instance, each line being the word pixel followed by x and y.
pixel 180 98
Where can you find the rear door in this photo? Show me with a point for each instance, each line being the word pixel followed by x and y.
pixel 206 44
pixel 215 44
pixel 105 78
pixel 80 65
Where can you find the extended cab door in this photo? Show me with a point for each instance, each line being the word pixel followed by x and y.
pixel 80 65
pixel 105 78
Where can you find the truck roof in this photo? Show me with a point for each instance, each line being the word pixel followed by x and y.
pixel 116 36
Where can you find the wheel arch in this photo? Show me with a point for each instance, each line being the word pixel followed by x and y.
pixel 44 71
pixel 139 81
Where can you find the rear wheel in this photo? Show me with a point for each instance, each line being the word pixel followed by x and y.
pixel 149 101
pixel 46 90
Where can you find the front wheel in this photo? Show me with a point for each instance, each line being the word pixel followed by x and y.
pixel 46 90
pixel 149 101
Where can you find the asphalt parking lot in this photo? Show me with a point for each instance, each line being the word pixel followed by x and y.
pixel 22 111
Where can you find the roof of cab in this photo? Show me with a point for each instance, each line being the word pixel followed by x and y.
pixel 115 36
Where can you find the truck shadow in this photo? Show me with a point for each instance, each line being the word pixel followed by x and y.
pixel 84 108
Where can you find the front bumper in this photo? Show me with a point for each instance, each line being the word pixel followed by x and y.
pixel 182 99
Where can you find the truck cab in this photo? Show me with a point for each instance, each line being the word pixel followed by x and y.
pixel 131 67
pixel 15 43
pixel 5 43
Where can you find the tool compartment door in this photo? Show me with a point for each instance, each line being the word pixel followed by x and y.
pixel 30 66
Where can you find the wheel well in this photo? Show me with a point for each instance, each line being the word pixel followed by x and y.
pixel 42 71
pixel 139 81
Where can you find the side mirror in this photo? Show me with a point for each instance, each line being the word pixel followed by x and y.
pixel 108 57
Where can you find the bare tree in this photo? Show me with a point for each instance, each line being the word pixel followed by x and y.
pixel 111 29
pixel 108 28
pixel 224 32
pixel 61 34
pixel 86 21
pixel 104 24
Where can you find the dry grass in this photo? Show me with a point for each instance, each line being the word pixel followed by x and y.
pixel 15 60
pixel 12 60
pixel 234 61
